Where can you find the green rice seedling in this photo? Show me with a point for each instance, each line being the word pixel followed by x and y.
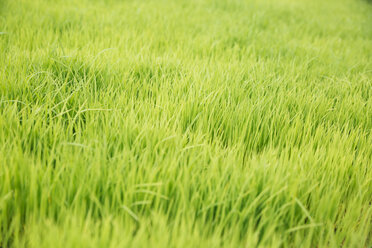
pixel 239 123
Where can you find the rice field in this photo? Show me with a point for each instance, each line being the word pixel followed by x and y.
pixel 185 123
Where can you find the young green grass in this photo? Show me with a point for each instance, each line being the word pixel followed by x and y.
pixel 189 123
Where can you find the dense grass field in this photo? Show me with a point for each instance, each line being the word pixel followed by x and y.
pixel 185 123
